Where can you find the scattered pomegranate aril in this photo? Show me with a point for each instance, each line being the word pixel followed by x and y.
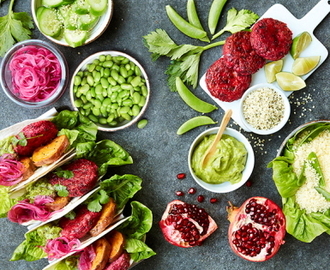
pixel 179 193
pixel 181 176
pixel 213 200
pixel 257 229
pixel 192 191
pixel 186 225
pixel 200 198
pixel 248 183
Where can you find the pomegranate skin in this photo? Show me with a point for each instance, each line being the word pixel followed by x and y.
pixel 256 235
pixel 174 226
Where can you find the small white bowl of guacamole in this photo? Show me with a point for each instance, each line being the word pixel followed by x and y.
pixel 231 165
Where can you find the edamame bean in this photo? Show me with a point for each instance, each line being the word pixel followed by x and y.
pixel 194 123
pixel 142 123
pixel 191 100
pixel 76 80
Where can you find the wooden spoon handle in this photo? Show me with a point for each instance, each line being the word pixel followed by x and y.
pixel 210 151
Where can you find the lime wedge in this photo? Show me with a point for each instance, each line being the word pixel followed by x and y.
pixel 272 68
pixel 289 81
pixel 300 43
pixel 303 65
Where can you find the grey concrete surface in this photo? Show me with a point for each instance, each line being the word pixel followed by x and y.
pixel 159 154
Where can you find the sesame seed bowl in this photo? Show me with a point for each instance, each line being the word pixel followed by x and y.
pixel 264 109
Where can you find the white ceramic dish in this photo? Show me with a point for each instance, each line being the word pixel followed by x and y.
pixel 95 33
pixel 297 26
pixel 90 59
pixel 287 109
pixel 226 186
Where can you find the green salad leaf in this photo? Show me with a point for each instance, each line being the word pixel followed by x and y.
pixel 30 249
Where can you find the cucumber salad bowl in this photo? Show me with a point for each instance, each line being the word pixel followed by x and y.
pixel 72 23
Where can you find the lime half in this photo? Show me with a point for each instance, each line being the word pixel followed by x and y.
pixel 272 68
pixel 303 65
pixel 300 43
pixel 289 81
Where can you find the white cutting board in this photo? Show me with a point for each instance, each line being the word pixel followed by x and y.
pixel 297 26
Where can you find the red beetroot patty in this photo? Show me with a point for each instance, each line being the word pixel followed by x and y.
pixel 224 83
pixel 240 55
pixel 84 178
pixel 37 134
pixel 271 38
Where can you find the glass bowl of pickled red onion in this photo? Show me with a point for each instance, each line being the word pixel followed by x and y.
pixel 33 74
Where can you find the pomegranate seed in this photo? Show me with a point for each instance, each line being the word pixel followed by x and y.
pixel 192 191
pixel 200 198
pixel 181 176
pixel 213 200
pixel 248 183
pixel 179 193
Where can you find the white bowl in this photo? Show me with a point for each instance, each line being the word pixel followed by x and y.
pixel 226 186
pixel 83 67
pixel 95 33
pixel 286 115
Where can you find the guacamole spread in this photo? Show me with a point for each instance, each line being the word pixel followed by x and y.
pixel 227 163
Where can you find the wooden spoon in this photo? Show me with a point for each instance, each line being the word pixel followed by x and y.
pixel 210 151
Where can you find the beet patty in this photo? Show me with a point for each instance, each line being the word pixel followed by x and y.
pixel 240 55
pixel 85 175
pixel 271 38
pixel 225 83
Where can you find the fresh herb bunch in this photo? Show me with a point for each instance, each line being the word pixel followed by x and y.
pixel 185 58
pixel 14 27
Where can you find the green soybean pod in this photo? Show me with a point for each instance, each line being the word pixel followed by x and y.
pixel 194 123
pixel 214 14
pixel 192 14
pixel 191 100
pixel 184 26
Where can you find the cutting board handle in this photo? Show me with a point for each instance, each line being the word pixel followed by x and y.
pixel 315 15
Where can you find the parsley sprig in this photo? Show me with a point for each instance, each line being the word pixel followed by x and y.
pixel 14 27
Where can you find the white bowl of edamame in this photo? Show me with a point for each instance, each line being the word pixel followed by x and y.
pixel 72 23
pixel 111 88
pixel 231 165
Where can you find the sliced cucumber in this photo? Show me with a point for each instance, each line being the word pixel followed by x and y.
pixel 71 20
pixel 49 23
pixel 98 7
pixel 56 3
pixel 75 38
pixel 81 7
pixel 63 12
pixel 87 21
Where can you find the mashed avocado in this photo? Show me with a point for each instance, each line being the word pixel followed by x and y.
pixel 226 164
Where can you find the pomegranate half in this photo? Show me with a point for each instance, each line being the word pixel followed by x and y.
pixel 257 229
pixel 186 225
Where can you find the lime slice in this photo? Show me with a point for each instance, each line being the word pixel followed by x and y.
pixel 289 81
pixel 300 43
pixel 272 68
pixel 303 65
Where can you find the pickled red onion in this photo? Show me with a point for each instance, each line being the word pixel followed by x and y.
pixel 25 211
pixel 10 170
pixel 86 258
pixel 58 247
pixel 36 73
